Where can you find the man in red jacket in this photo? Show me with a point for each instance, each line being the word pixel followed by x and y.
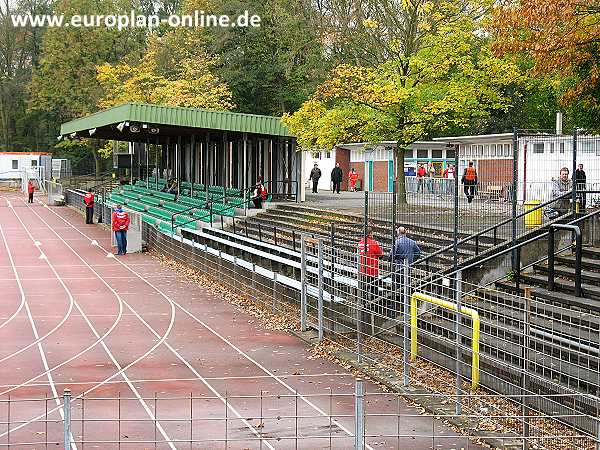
pixel 88 199
pixel 120 225
pixel 30 191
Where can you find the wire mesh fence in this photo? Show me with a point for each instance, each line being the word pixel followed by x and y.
pixel 504 355
pixel 358 418
pixel 495 194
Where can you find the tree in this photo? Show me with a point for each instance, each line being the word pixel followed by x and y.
pixel 273 68
pixel 440 74
pixel 65 85
pixel 168 74
pixel 562 37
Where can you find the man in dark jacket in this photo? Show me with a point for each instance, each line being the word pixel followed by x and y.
pixel 336 178
pixel 580 180
pixel 404 249
pixel 315 174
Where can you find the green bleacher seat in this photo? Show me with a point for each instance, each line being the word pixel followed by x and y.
pixel 175 207
pixel 164 195
pixel 149 200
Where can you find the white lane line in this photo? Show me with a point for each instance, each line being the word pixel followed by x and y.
pixel 37 337
pixel 225 340
pixel 100 340
pixel 141 319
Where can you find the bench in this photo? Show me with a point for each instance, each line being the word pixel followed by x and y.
pixel 492 192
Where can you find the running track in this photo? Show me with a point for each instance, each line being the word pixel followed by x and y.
pixel 73 317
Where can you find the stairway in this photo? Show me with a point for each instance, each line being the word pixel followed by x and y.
pixel 283 224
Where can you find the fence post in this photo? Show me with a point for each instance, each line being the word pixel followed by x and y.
pixel 67 418
pixel 320 285
pixel 525 366
pixel 457 323
pixel 405 321
pixel 514 193
pixel 274 292
pixel 359 415
pixel 573 175
pixel 303 283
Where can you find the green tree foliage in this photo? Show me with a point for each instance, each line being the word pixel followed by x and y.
pixel 437 72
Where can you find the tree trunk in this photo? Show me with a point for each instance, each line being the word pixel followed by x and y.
pixel 400 152
pixel 97 158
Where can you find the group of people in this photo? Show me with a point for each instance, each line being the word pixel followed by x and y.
pixel 119 221
pixel 370 252
pixel 337 176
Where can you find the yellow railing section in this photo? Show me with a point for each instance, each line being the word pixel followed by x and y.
pixel 453 307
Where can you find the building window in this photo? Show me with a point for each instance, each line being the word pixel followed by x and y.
pixel 33 163
pixel 436 154
pixel 587 147
pixel 507 151
pixel 450 154
pixel 493 150
pixel 551 147
pixel 328 155
pixel 316 155
pixel 486 151
pixel 409 153
pixel 422 154
pixel 15 164
pixel 538 147
pixel 562 147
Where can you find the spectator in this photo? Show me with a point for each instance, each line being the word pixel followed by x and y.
pixel 450 175
pixel 580 180
pixel 173 188
pixel 120 225
pixel 315 174
pixel 561 187
pixel 336 178
pixel 259 195
pixel 88 199
pixel 469 180
pixel 370 252
pixel 421 172
pixel 352 179
pixel 404 249
pixel 430 176
pixel 30 191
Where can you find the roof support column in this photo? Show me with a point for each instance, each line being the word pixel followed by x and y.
pixel 157 159
pixel 206 163
pixel 245 171
pixel 193 161
pixel 178 163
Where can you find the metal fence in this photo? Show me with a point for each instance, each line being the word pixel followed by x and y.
pixel 512 179
pixel 357 419
pixel 528 358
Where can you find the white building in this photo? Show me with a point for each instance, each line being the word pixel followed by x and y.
pixel 374 163
pixel 540 158
pixel 14 164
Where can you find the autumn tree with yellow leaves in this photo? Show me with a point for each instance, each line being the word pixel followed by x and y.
pixel 433 70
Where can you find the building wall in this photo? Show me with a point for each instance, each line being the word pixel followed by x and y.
pixel 342 156
pixel 326 162
pixel 360 170
pixel 24 162
pixel 494 171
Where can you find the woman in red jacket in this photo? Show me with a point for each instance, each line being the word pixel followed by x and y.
pixel 120 225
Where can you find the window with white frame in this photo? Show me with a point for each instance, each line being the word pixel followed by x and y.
pixel 551 149
pixel 15 164
pixel 587 146
pixel 34 163
pixel 507 150
pixel 486 151
pixel 493 150
pixel 538 147
pixel 561 147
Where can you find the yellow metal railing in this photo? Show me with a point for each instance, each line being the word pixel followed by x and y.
pixel 453 307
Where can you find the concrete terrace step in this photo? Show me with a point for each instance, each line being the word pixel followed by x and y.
pixel 589 263
pixel 540 281
pixel 349 217
pixel 569 272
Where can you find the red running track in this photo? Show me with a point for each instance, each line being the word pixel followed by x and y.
pixel 141 343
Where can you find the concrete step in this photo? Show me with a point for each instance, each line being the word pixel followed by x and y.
pixel 587 276
pixel 588 263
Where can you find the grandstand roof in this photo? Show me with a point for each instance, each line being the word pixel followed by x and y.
pixel 170 121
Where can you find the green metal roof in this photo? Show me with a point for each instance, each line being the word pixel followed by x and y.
pixel 179 117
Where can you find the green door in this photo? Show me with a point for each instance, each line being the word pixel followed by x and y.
pixel 370 167
pixel 390 176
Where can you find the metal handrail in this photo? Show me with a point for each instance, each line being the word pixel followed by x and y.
pixel 495 227
pixel 578 252
pixel 508 250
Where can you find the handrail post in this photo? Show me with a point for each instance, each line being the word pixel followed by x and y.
pixel 578 255
pixel 67 418
pixel 518 268
pixel 551 258
pixel 303 309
